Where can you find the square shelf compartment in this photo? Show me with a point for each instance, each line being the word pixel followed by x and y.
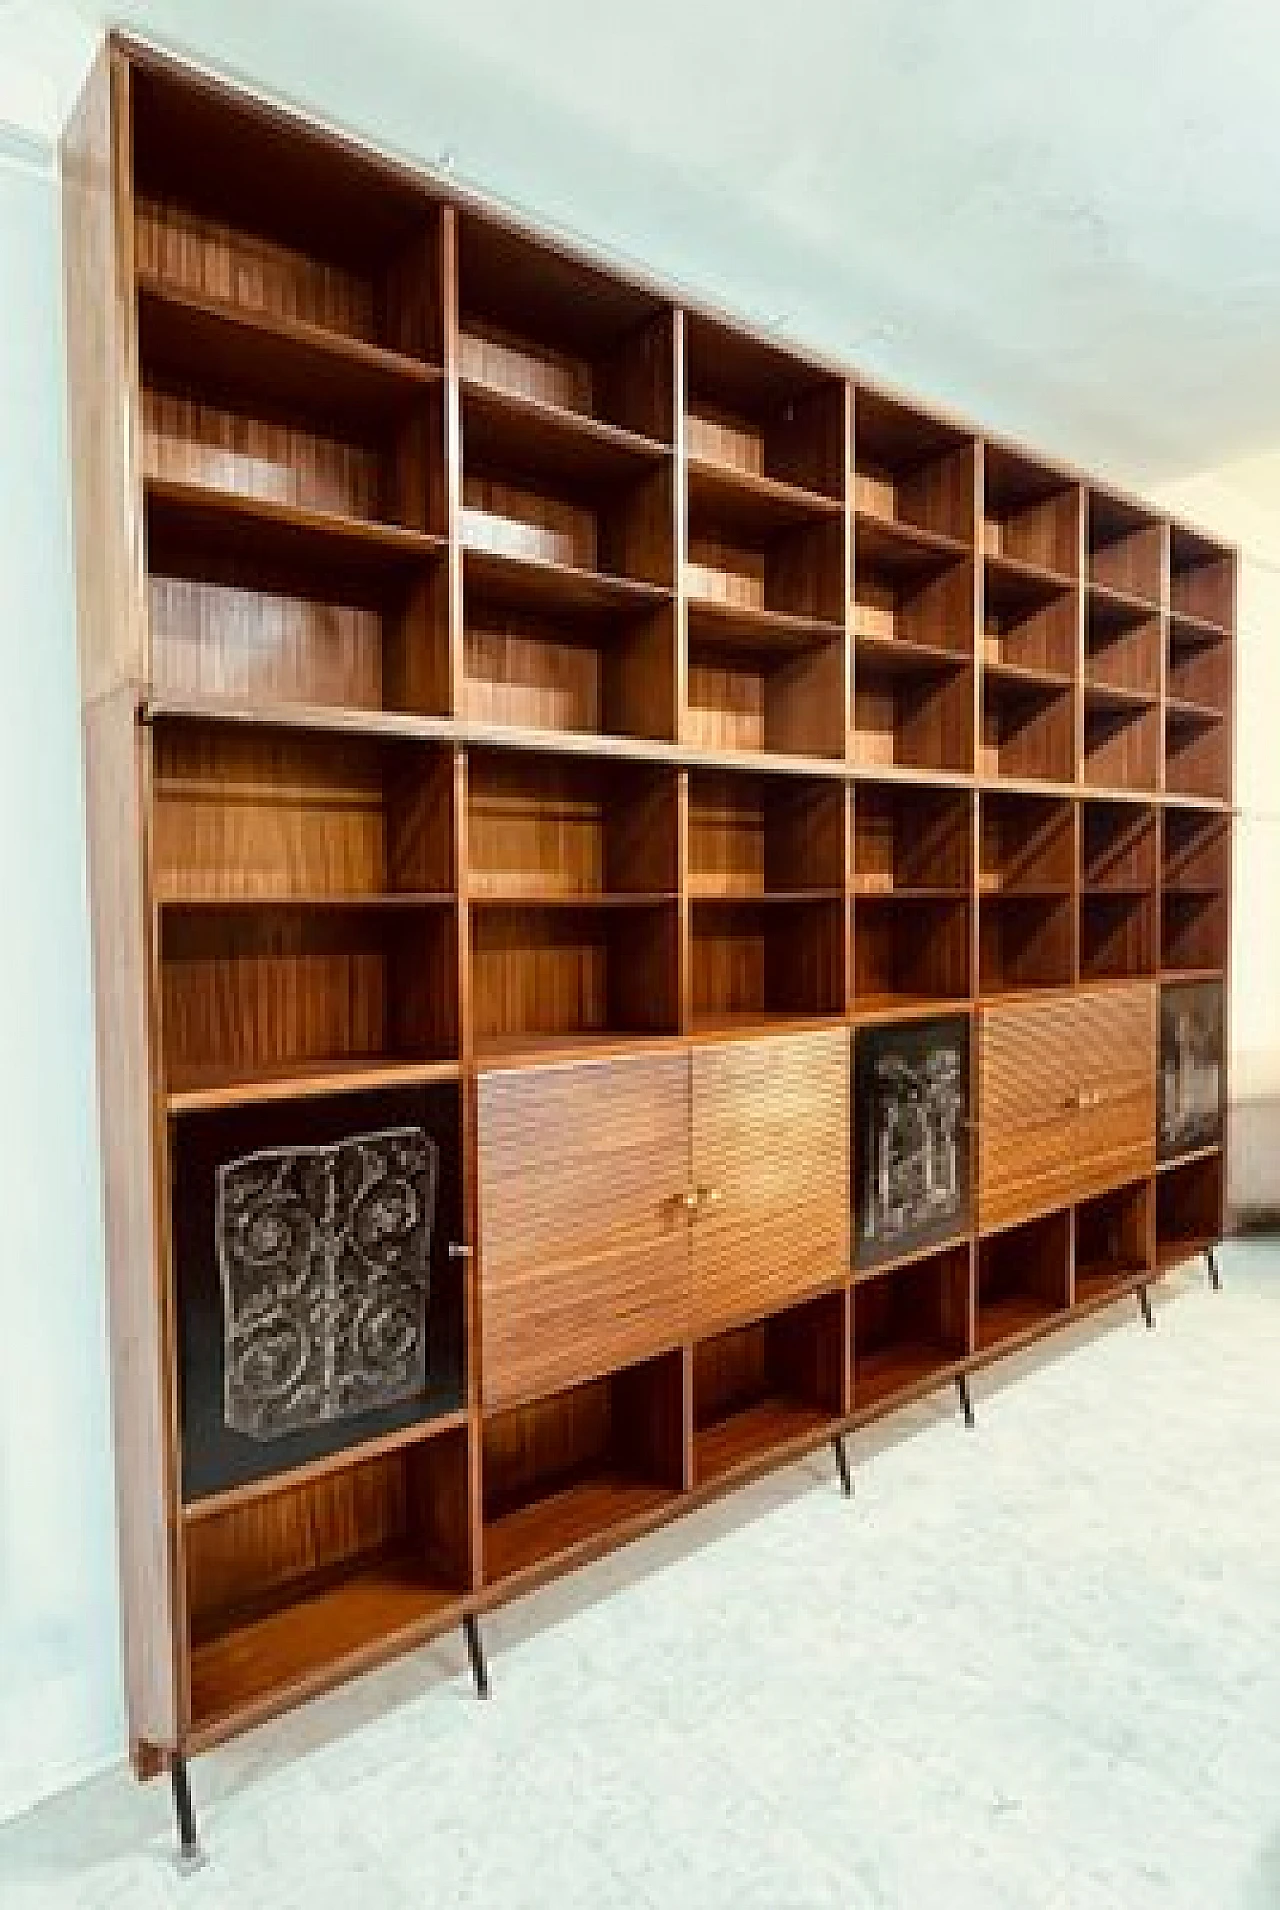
pixel 764 959
pixel 1026 884
pixel 909 951
pixel 262 1192
pixel 757 412
pixel 572 884
pixel 912 710
pixel 1189 1210
pixel 566 1472
pixel 1121 739
pixel 1201 580
pixel 1197 751
pixel 910 1328
pixel 1023 1280
pixel 913 470
pixel 759 1388
pixel 757 835
pixel 1028 728
pixel 1112 1242
pixel 556 337
pixel 1031 514
pixel 1200 669
pixel 565 829
pixel 1119 890
pixel 1195 852
pixel 911 840
pixel 1121 645
pixel 303 1587
pixel 1030 625
pixel 761 681
pixel 1126 548
pixel 288 265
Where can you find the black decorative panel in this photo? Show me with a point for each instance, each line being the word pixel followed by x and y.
pixel 910 1136
pixel 318 1304
pixel 1191 1077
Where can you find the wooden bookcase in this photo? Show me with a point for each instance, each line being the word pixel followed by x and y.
pixel 522 708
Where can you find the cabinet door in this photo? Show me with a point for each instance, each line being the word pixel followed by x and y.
pixel 771 1169
pixel 1066 1099
pixel 584 1234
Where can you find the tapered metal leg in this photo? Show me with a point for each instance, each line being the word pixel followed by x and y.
pixel 1215 1279
pixel 962 1387
pixel 475 1652
pixel 1144 1301
pixel 188 1838
pixel 842 1466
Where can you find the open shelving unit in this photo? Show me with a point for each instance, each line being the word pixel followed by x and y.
pixel 528 711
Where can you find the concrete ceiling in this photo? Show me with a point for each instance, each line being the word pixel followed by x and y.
pixel 1063 219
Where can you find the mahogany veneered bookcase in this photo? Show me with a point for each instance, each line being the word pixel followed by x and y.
pixel 652 902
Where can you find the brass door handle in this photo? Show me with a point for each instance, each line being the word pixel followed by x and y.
pixel 710 1196
pixel 689 1201
pixel 458 1250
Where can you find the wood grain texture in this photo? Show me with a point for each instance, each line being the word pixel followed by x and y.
pixel 771 1172
pixel 583 1172
pixel 1066 1096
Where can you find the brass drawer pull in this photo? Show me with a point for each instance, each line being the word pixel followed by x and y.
pixel 710 1196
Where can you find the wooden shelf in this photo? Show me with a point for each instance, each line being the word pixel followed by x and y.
pixel 191 526
pixel 541 442
pixel 910 1325
pixel 748 505
pixel 1111 696
pixel 567 1520
pixel 749 627
pixel 759 1432
pixel 564 590
pixel 907 550
pixel 273 357
pixel 1026 677
pixel 201 1090
pixel 902 656
pixel 315 1639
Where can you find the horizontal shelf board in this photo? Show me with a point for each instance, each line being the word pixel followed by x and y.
pixel 385 900
pixel 1117 891
pixel 1022 891
pixel 900 1369
pixel 1114 696
pixel 216 1503
pixel 1193 1154
pixel 1012 1316
pixel 907 657
pixel 538 584
pixel 713 623
pixel 748 504
pixel 1175 1250
pixel 555 1526
pixel 1026 679
pixel 886 1007
pixel 317 1640
pixel 493 1052
pixel 219 345
pixel 1194 891
pixel 191 524
pixel 324 719
pixel 1187 713
pixel 996 995
pixel 1096 1285
pixel 517 897
pixel 1128 606
pixel 867 1276
pixel 701 897
pixel 1197 631
pixel 531 439
pixel 200 1091
pixel 887 544
pixel 1192 972
pixel 1011 583
pixel 861 891
pixel 746 1023
pixel 744 1438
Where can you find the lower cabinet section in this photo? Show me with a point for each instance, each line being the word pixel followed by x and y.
pixel 759 1387
pixel 1024 1280
pixel 910 1326
pixel 292 1590
pixel 581 1465
pixel 1189 1214
pixel 1112 1242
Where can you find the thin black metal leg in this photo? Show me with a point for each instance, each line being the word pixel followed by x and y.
pixel 962 1387
pixel 475 1652
pixel 188 1839
pixel 842 1466
pixel 1215 1278
pixel 1144 1301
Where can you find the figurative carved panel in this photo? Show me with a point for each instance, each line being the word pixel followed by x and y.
pixel 911 1137
pixel 1191 1078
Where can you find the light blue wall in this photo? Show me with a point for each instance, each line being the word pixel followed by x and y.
pixel 60 1702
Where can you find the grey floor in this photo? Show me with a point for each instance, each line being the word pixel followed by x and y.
pixel 1036 1664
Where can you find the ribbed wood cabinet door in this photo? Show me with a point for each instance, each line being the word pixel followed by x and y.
pixel 1066 1099
pixel 584 1232
pixel 771 1173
